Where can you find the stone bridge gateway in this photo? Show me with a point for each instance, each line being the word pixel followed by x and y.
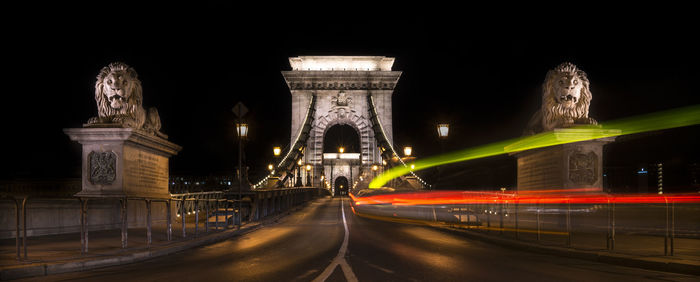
pixel 330 91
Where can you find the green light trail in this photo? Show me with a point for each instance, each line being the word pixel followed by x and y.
pixel 680 117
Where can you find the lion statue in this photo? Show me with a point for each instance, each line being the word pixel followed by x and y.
pixel 566 97
pixel 119 96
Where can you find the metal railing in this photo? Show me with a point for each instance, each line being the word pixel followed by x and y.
pixel 218 207
pixel 630 228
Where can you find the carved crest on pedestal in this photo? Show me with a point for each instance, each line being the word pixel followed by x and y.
pixel 582 168
pixel 103 167
pixel 341 105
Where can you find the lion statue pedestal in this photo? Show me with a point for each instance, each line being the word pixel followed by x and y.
pixel 566 97
pixel 124 153
pixel 571 166
pixel 123 163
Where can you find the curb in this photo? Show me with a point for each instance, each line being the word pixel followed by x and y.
pixel 44 269
pixel 604 257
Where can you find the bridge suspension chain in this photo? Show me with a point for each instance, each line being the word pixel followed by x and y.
pixel 383 141
pixel 288 162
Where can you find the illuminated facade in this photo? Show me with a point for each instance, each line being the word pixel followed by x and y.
pixel 342 85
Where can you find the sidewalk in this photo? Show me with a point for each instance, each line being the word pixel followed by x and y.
pixel 638 251
pixel 53 254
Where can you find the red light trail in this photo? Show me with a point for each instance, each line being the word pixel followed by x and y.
pixel 570 196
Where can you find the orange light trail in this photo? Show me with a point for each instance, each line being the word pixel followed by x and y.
pixel 525 197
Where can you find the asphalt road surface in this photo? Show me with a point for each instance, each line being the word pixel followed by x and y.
pixel 312 244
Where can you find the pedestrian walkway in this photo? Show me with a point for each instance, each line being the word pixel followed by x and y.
pixel 52 254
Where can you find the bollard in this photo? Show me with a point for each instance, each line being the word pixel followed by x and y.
pixel 17 233
pixel 516 219
pixel 667 229
pixel 568 223
pixel 501 219
pixel 169 220
pixel 206 223
pixel 84 226
pixel 196 217
pixel 24 226
pixel 607 237
pixel 538 221
pixel 148 223
pixel 488 217
pixel 469 218
pixel 673 226
pixel 125 225
pixel 216 214
pixel 183 217
pixel 612 234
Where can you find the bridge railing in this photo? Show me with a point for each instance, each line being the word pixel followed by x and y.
pixel 213 210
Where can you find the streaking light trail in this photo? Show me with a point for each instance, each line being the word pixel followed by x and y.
pixel 680 117
pixel 534 197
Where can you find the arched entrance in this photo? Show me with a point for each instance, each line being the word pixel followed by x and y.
pixel 341 184
pixel 341 135
pixel 342 166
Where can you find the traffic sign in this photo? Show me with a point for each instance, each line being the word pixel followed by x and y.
pixel 240 110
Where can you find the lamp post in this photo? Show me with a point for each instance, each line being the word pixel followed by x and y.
pixel 298 183
pixel 242 131
pixel 407 151
pixel 308 175
pixel 443 130
pixel 276 151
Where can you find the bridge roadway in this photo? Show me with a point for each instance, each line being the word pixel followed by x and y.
pixel 301 246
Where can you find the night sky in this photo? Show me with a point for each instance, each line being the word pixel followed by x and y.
pixel 195 64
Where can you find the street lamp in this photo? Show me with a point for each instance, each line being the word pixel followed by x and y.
pixel 276 151
pixel 443 130
pixel 298 182
pixel 341 150
pixel 270 167
pixel 308 175
pixel 242 131
pixel 407 151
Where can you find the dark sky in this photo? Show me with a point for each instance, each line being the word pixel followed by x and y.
pixel 481 76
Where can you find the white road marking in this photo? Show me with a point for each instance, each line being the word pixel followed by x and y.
pixel 340 258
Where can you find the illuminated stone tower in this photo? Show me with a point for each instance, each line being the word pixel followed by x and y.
pixel 342 85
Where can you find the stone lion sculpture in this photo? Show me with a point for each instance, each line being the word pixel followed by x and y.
pixel 119 96
pixel 566 97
